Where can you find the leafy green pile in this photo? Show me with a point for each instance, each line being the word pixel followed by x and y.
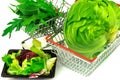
pixel 90 25
pixel 30 14
pixel 33 62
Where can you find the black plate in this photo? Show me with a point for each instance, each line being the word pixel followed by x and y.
pixel 51 75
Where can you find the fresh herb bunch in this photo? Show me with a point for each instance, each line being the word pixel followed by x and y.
pixel 31 13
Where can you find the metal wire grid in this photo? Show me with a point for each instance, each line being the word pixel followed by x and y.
pixel 52 25
pixel 43 29
pixel 76 63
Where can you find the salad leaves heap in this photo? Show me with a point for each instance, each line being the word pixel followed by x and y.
pixel 90 25
pixel 28 62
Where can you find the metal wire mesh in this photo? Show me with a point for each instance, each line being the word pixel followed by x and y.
pixel 74 62
pixel 53 24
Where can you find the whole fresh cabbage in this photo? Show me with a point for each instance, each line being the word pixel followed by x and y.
pixel 90 25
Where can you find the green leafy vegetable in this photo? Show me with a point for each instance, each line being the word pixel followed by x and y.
pixel 28 66
pixel 8 59
pixel 37 51
pixel 90 25
pixel 36 43
pixel 30 61
pixel 16 23
pixel 50 63
pixel 30 13
pixel 36 48
pixel 14 67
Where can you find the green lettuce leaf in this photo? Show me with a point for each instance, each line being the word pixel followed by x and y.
pixel 14 67
pixel 28 67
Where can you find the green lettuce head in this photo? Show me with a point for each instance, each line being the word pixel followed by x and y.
pixel 90 25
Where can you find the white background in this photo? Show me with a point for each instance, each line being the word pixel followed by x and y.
pixel 108 70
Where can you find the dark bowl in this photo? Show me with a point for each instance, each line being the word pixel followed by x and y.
pixel 51 75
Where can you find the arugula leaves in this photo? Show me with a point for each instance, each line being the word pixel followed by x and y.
pixel 16 23
pixel 30 14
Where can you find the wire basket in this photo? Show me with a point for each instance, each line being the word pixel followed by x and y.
pixel 66 56
pixel 76 61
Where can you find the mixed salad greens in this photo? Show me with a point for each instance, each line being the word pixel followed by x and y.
pixel 90 25
pixel 33 62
